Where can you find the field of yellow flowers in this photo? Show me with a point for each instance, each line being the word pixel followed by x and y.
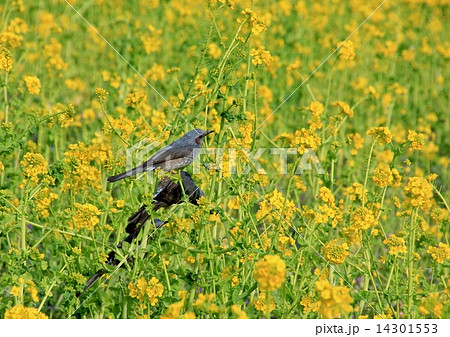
pixel 360 232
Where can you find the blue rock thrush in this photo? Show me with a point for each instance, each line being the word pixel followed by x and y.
pixel 176 155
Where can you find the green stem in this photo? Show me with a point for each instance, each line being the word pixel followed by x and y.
pixel 411 246
pixel 24 224
pixel 5 92
pixel 367 172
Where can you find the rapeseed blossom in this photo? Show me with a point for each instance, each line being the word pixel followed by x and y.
pixel 335 301
pixel 270 272
pixel 146 290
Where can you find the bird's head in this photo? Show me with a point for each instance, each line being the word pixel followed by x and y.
pixel 201 135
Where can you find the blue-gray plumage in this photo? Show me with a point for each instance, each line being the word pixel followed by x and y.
pixel 174 156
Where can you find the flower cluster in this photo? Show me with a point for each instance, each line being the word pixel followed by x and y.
pixel 85 216
pixel 34 168
pixel 419 193
pixel 260 56
pixel 381 134
pixel 334 300
pixel 439 253
pixel 270 272
pixel 265 303
pixel 396 246
pixel 6 60
pixel 417 140
pixel 335 253
pixel 33 84
pixel 143 290
pixel 255 23
pixel 22 312
pixel 273 205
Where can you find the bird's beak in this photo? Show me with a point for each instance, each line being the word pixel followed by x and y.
pixel 207 133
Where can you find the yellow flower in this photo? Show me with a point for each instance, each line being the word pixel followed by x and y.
pixel 432 304
pixel 174 309
pixel 120 203
pixel 64 113
pixel 43 199
pixel 234 203
pixel 214 51
pixel 15 291
pixel 382 177
pixel 17 26
pixel 6 60
pixel 33 84
pixel 155 73
pixel 374 92
pixel 76 250
pixel 264 303
pixel 52 54
pixel 347 50
pixel 101 93
pixel 396 245
pixel 270 272
pixel 382 134
pixel 335 253
pixel 238 312
pixel 134 99
pixel 417 140
pixel 102 257
pixel 419 193
pixel 79 173
pixel 22 312
pixel 189 315
pixel 356 191
pixel 309 305
pixel 260 56
pixel 10 40
pixel 334 301
pixel 255 23
pixel 316 108
pixel 326 196
pixel 86 216
pixel 143 290
pixel 179 225
pixel 344 107
pixel 358 142
pixel 363 218
pixel 272 206
pixel 151 44
pixel 79 278
pixel 305 139
pixel 440 253
pixel 202 298
pixel 34 168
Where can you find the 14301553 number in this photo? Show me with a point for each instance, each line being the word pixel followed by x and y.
pixel 407 328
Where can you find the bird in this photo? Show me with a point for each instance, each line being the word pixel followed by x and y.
pixel 176 155
pixel 167 193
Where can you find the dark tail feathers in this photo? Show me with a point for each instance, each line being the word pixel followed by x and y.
pixel 129 173
pixel 91 281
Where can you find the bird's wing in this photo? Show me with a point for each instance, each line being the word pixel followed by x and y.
pixel 170 152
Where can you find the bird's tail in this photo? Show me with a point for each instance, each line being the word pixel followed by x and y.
pixel 129 173
pixel 91 281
